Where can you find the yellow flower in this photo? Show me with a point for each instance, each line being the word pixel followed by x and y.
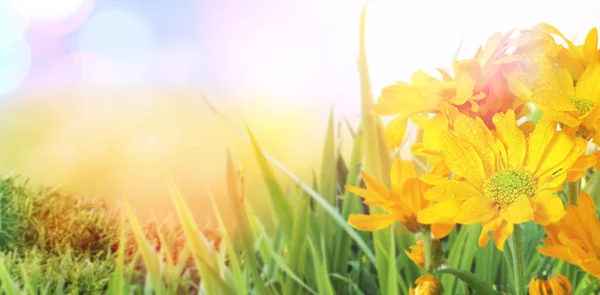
pixel 504 177
pixel 427 285
pixel 576 237
pixel 575 58
pixel 402 202
pixel 417 254
pixel 478 88
pixel 553 91
pixel 558 285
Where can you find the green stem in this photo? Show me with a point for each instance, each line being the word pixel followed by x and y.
pixel 428 248
pixel 574 191
pixel 518 263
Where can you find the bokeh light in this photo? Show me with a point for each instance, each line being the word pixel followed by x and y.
pixel 15 62
pixel 124 37
pixel 13 23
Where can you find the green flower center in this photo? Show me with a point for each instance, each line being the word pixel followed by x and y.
pixel 505 186
pixel 583 106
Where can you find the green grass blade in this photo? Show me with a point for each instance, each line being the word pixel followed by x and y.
pixel 234 260
pixel 351 204
pixel 283 210
pixel 117 283
pixel 206 266
pixel 247 235
pixel 297 248
pixel 320 266
pixel 8 285
pixel 148 255
pixel 480 287
pixel 327 185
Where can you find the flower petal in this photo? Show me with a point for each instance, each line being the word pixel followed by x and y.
pixel 401 172
pixel 480 138
pixel 370 222
pixel 441 230
pixel 442 212
pixel 502 233
pixel 394 131
pixel 512 137
pixel 548 208
pixel 590 47
pixel 476 209
pixel 451 190
pixel 537 143
pixel 462 159
pixel 519 211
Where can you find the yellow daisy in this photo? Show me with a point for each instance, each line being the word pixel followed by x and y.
pixel 576 237
pixel 558 285
pixel 478 88
pixel 553 91
pixel 504 177
pixel 575 58
pixel 402 202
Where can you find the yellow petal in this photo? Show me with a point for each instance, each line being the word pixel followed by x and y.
pixel 587 86
pixel 502 233
pixel 480 138
pixel 412 194
pixel 552 176
pixel 490 225
pixel 440 231
pixel 590 47
pixel 370 222
pixel 370 197
pixel 519 211
pixel 401 98
pixel 462 159
pixel 377 186
pixel 442 212
pixel 548 209
pixel 512 137
pixel 537 142
pixel 476 209
pixel 394 131
pixel 448 190
pixel 577 170
pixel 401 172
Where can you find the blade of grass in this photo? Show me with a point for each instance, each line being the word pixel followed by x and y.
pixel 247 235
pixel 297 249
pixel 117 283
pixel 234 261
pixel 206 266
pixel 8 285
pixel 351 204
pixel 327 186
pixel 282 207
pixel 326 206
pixel 322 275
pixel 148 255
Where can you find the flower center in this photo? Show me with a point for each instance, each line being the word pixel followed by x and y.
pixel 505 186
pixel 583 106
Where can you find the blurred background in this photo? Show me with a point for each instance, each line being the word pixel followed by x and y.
pixel 101 97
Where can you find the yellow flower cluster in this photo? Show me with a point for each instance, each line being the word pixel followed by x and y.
pixel 491 162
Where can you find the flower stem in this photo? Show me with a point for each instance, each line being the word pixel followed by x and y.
pixel 518 263
pixel 428 250
pixel 574 188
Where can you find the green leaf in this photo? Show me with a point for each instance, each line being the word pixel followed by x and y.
pixel 283 210
pixel 8 285
pixel 148 255
pixel 206 266
pixel 478 286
